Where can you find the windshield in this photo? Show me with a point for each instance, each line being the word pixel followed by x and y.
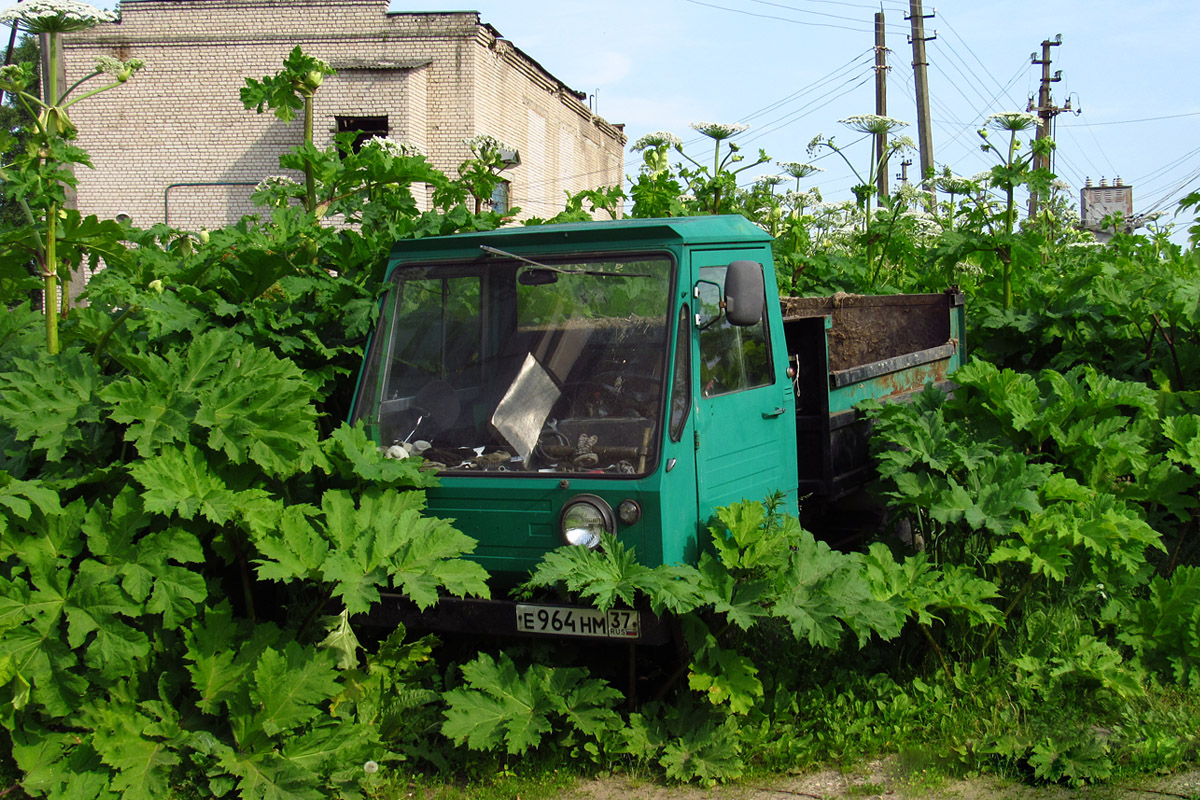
pixel 505 366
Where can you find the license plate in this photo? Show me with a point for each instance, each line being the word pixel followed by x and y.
pixel 565 621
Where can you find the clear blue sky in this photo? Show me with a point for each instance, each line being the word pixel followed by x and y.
pixel 793 68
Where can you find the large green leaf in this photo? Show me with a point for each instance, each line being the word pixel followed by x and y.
pixel 180 481
pixel 49 403
pixel 143 764
pixel 289 685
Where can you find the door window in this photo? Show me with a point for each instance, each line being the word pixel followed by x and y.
pixel 732 358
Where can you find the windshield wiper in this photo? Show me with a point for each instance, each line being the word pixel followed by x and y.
pixel 594 272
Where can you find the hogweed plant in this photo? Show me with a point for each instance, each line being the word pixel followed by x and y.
pixel 290 90
pixel 712 188
pixel 872 125
pixel 799 170
pixel 41 177
pixel 481 172
pixel 656 150
pixel 1014 169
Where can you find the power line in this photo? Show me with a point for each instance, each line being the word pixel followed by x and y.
pixel 796 115
pixel 817 13
pixel 1067 131
pixel 1131 121
pixel 781 19
pixel 961 93
pixel 970 103
pixel 1170 196
pixel 986 71
pixel 1150 177
pixel 861 57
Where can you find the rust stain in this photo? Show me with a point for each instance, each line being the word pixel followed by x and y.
pixel 905 381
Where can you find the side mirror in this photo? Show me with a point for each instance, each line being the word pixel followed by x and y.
pixel 745 294
pixel 536 276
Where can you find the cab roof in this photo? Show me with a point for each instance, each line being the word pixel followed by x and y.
pixel 614 235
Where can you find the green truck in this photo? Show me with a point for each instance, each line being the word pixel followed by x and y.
pixel 627 377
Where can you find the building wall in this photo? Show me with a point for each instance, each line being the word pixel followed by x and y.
pixel 439 78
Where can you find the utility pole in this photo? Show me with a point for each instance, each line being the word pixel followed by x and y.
pixel 881 68
pixel 902 175
pixel 921 79
pixel 8 54
pixel 1046 110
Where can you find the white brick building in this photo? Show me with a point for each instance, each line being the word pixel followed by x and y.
pixel 175 144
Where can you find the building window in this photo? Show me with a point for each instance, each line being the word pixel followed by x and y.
pixel 365 127
pixel 500 197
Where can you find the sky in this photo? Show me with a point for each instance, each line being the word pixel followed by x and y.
pixel 793 68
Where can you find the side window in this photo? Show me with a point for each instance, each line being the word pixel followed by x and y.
pixel 731 358
pixel 441 337
pixel 501 197
pixel 681 379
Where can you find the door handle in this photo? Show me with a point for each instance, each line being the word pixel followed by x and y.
pixel 773 413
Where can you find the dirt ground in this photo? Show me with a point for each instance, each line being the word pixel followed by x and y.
pixel 885 780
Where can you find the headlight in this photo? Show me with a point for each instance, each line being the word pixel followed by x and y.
pixel 584 519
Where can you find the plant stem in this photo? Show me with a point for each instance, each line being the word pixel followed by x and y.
pixel 996 628
pixel 314 611
pixel 937 651
pixel 1170 340
pixel 103 343
pixel 50 267
pixel 89 94
pixel 50 274
pixel 235 541
pixel 310 180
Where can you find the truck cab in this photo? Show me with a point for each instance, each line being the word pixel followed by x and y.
pixel 624 377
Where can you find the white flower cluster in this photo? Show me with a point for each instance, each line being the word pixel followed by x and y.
pixel 770 180
pixel 56 16
pixel 954 184
pixel 109 65
pixel 872 123
pixel 482 143
pixel 116 68
pixel 719 130
pixel 273 181
pixel 910 193
pixel 798 169
pixel 656 139
pixel 1012 121
pixel 801 201
pixel 393 147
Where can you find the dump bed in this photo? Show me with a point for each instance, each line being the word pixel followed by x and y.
pixel 849 348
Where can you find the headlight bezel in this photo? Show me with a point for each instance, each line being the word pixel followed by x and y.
pixel 604 517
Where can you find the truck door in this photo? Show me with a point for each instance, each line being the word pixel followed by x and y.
pixel 745 422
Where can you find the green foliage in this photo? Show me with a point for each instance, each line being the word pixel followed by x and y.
pixel 186 531
pixel 1164 628
pixel 500 706
pixel 284 92
pixel 189 535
